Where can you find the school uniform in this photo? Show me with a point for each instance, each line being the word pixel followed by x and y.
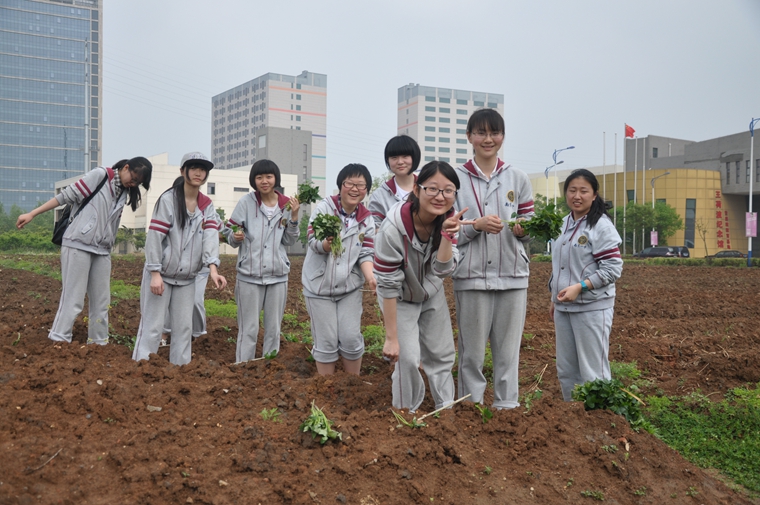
pixel 178 254
pixel 262 270
pixel 583 326
pixel 385 197
pixel 199 307
pixel 408 270
pixel 491 281
pixel 332 286
pixel 86 254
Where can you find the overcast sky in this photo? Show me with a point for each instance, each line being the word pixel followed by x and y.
pixel 569 70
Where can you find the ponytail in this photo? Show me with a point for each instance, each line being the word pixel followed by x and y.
pixel 598 207
pixel 180 207
pixel 143 169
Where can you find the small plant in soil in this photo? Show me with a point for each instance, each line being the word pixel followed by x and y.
pixel 18 339
pixel 642 491
pixel 271 355
pixel 485 412
pixel 226 328
pixel 609 394
pixel 414 423
pixel 231 340
pixel 692 491
pixel 609 448
pixel 487 470
pixel 320 426
pixel 272 414
pixel 531 397
pixel 326 226
pixel 596 495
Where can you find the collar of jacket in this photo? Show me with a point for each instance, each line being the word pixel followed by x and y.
pixel 203 201
pixel 408 220
pixel 361 211
pixel 391 184
pixel 470 167
pixel 281 199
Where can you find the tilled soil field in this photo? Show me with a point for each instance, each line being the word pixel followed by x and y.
pixel 86 424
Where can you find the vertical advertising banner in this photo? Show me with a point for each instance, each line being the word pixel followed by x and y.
pixel 751 224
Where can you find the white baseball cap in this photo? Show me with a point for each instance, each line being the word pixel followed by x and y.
pixel 197 158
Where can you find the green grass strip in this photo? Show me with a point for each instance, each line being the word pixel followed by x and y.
pixel 220 309
pixel 37 267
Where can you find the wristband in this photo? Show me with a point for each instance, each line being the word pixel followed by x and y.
pixel 449 236
pixel 293 222
pixel 584 287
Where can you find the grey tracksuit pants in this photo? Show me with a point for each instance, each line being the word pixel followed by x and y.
pixel 179 301
pixel 83 273
pixel 424 337
pixel 583 346
pixel 498 317
pixel 199 309
pixel 251 299
pixel 336 327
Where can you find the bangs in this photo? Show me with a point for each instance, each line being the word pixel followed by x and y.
pixel 486 120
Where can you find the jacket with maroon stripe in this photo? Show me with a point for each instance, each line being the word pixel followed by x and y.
pixel 325 276
pixel 406 268
pixel 492 261
pixel 94 229
pixel 262 258
pixel 382 199
pixel 582 253
pixel 180 253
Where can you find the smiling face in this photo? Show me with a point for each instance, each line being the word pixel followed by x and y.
pixel 400 165
pixel 579 196
pixel 485 142
pixel 352 192
pixel 265 183
pixel 432 201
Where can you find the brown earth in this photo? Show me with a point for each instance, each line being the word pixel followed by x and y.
pixel 77 423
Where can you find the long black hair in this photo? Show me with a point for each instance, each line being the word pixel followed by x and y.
pixel 428 171
pixel 179 191
pixel 140 168
pixel 598 207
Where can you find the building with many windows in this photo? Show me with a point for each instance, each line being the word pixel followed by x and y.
pixel 275 102
pixel 437 119
pixel 50 95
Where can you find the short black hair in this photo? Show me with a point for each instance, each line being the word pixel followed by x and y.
pixel 403 145
pixel 485 119
pixel 353 170
pixel 263 167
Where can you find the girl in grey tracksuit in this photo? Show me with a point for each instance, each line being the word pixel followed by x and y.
pixel 179 243
pixel 586 263
pixel 402 157
pixel 332 286
pixel 87 243
pixel 415 247
pixel 263 265
pixel 491 282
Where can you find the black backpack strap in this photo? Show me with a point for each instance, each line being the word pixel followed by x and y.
pixel 92 195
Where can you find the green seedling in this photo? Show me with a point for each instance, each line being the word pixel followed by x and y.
pixel 546 224
pixel 320 426
pixel 18 339
pixel 596 495
pixel 487 470
pixel 272 414
pixel 485 412
pixel 414 423
pixel 326 226
pixel 231 340
pixel 307 193
pixel 271 355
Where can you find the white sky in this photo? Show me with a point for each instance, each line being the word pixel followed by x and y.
pixel 569 70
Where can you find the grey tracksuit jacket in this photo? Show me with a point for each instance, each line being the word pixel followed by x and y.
pixel 582 253
pixel 382 199
pixel 262 258
pixel 94 229
pixel 327 277
pixel 180 253
pixel 492 261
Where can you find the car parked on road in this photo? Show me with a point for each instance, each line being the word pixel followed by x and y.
pixel 729 253
pixel 656 252
pixel 681 251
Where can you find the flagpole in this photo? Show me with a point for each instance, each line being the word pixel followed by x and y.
pixel 604 165
pixel 635 189
pixel 643 191
pixel 625 183
pixel 615 172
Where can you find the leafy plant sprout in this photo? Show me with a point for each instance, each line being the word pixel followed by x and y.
pixel 320 426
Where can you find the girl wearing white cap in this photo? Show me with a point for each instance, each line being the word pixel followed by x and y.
pixel 182 238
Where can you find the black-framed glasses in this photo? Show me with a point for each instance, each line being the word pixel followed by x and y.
pixel 480 135
pixel 358 185
pixel 433 192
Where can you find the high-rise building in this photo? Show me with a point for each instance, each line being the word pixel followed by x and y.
pixel 50 95
pixel 437 119
pixel 276 102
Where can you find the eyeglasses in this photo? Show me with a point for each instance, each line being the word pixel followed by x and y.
pixel 480 135
pixel 433 192
pixel 350 185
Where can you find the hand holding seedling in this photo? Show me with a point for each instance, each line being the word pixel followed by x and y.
pixel 294 206
pixel 489 224
pixel 238 235
pixel 517 229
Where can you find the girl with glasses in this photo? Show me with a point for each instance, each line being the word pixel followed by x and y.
pixel 491 283
pixel 402 157
pixel 415 247
pixel 332 286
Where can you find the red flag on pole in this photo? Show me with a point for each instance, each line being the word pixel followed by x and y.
pixel 629 131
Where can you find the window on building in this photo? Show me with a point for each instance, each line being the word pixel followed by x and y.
pixel 430 118
pixel 444 100
pixel 478 103
pixel 430 99
pixel 429 139
pixel 298 107
pixel 631 193
pixel 211 188
pixel 737 172
pixel 429 148
pixel 429 158
pixel 461 121
pixel 461 160
pixel 461 102
pixel 444 110
pixel 462 111
pixel 748 171
pixel 444 130
pixel 461 151
pixel 728 173
pixel 654 152
pixel 690 215
pixel 461 131
pixel 298 118
pixel 445 140
pixel 429 108
pixel 461 141
pixel 444 159
pixel 298 97
pixel 240 190
pixel 430 128
pixel 444 120
pixel 444 150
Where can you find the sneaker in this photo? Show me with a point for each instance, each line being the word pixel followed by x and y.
pixel 163 343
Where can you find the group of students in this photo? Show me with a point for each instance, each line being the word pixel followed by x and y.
pixel 417 229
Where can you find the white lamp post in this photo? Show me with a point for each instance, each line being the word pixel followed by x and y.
pixel 554 157
pixel 751 178
pixel 546 174
pixel 652 181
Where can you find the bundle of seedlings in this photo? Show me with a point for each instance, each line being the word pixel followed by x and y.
pixel 307 193
pixel 326 226
pixel 546 224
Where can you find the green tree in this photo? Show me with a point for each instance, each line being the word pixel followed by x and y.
pixel 303 229
pixel 140 237
pixel 378 181
pixel 666 221
pixel 641 217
